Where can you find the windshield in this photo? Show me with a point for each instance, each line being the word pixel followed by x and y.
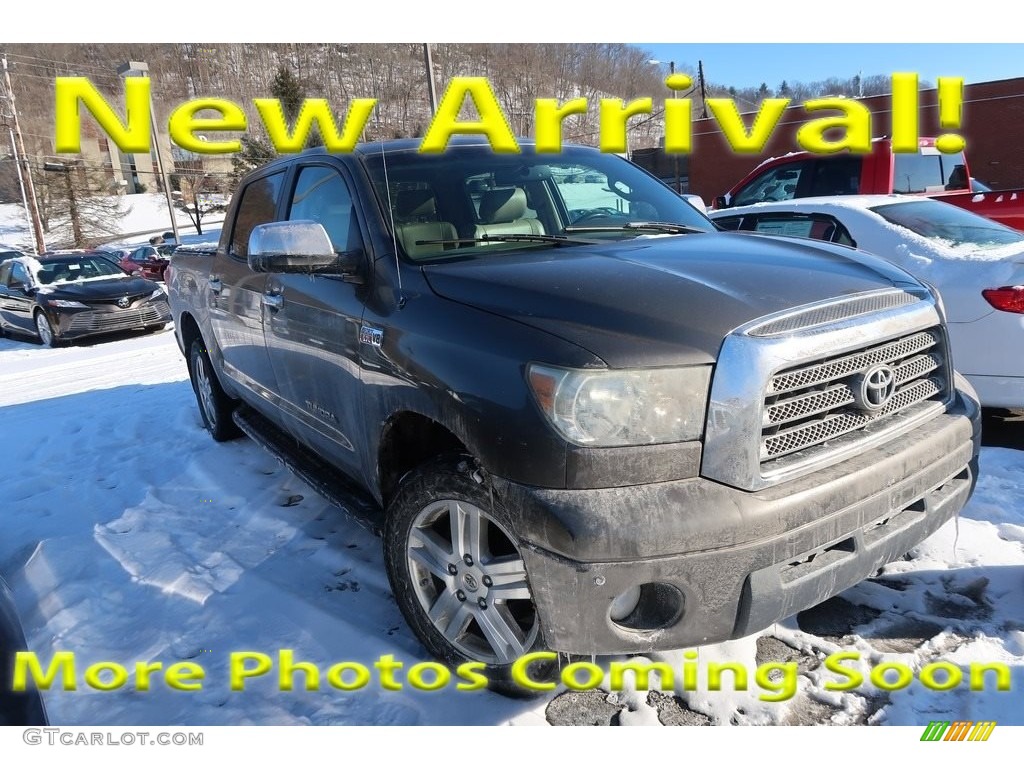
pixel 76 268
pixel 949 224
pixel 471 202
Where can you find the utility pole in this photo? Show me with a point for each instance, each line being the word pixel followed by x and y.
pixel 703 91
pixel 429 64
pixel 141 69
pixel 20 156
pixel 17 167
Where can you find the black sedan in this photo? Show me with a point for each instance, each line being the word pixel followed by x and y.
pixel 68 296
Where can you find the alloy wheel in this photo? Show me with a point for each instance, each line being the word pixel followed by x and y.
pixel 470 580
pixel 43 327
pixel 205 389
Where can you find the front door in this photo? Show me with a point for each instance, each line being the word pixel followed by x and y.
pixel 312 325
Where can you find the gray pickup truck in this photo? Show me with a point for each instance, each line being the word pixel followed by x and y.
pixel 582 419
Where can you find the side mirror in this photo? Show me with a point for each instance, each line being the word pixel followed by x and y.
pixel 292 246
pixel 721 203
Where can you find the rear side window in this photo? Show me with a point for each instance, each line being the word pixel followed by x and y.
pixel 836 176
pixel 257 206
pixel 929 171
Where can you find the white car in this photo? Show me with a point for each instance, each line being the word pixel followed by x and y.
pixel 976 264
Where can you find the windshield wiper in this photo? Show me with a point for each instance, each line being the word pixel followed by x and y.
pixel 656 226
pixel 556 240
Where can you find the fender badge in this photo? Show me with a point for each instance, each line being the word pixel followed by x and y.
pixel 370 335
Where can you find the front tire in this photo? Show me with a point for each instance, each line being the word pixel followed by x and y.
pixel 45 330
pixel 457 574
pixel 215 406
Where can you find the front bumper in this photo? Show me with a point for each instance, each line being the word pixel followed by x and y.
pixel 76 323
pixel 737 561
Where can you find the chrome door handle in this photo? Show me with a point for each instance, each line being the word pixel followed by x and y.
pixel 273 300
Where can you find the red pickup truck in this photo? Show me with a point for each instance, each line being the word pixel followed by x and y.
pixel 928 172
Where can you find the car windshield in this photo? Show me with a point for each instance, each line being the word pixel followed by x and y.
pixel 72 269
pixel 471 202
pixel 951 225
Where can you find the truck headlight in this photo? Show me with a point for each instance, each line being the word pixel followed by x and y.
pixel 65 304
pixel 603 408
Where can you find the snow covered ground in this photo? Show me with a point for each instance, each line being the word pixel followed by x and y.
pixel 128 535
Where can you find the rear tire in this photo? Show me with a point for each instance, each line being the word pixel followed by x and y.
pixel 215 406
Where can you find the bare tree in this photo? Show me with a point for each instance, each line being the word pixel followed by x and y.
pixel 77 207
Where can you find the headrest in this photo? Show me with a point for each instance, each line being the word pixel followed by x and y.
pixel 500 206
pixel 415 204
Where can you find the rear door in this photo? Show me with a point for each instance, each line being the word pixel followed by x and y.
pixel 236 293
pixel 312 322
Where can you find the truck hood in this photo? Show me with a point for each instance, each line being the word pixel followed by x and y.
pixel 662 300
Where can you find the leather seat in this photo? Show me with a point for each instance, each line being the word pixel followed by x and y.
pixel 503 212
pixel 416 220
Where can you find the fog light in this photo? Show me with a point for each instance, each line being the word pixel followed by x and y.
pixel 625 604
pixel 655 606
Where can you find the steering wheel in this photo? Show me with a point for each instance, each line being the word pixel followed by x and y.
pixel 598 216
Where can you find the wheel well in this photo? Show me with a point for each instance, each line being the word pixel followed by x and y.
pixel 410 440
pixel 189 332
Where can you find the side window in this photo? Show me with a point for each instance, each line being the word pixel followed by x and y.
pixel 139 255
pixel 814 226
pixel 19 274
pixel 321 195
pixel 777 184
pixel 5 273
pixel 836 176
pixel 929 171
pixel 257 206
pixel 784 226
pixel 729 223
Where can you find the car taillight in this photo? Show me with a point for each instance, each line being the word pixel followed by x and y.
pixel 1009 298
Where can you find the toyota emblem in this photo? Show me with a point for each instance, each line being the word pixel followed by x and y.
pixel 874 388
pixel 123 302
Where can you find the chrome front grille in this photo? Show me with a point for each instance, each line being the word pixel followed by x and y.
pixel 808 405
pixel 120 320
pixel 791 392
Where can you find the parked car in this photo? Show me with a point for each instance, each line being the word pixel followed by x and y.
pixel 927 172
pixel 64 297
pixel 976 263
pixel 148 261
pixel 112 254
pixel 583 419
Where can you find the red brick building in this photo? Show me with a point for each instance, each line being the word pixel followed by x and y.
pixel 993 126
